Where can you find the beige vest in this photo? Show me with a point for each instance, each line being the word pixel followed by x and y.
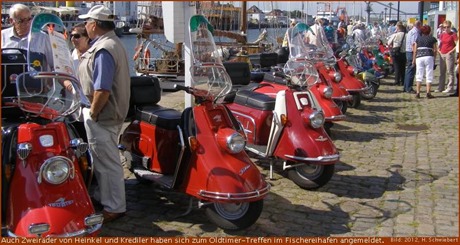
pixel 116 109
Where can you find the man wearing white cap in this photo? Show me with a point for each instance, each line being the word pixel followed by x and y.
pixel 104 75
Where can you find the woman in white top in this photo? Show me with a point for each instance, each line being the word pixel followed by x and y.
pixel 81 42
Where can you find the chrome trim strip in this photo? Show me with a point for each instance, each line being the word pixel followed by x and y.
pixel 333 118
pixel 235 196
pixel 346 97
pixel 328 158
pixel 246 131
pixel 78 233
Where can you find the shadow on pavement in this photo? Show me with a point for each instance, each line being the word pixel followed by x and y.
pixel 367 187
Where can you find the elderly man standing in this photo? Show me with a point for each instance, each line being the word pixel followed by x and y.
pixel 16 36
pixel 105 79
pixel 412 35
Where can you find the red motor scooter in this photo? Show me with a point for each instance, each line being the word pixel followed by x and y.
pixel 323 57
pixel 46 168
pixel 331 96
pixel 284 121
pixel 199 152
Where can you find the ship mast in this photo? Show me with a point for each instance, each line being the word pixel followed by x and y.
pixel 244 18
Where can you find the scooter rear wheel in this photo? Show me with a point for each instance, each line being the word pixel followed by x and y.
pixel 235 216
pixel 311 176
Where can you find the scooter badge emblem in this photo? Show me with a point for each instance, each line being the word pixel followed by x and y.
pixel 243 170
pixel 321 138
pixel 217 118
pixel 61 203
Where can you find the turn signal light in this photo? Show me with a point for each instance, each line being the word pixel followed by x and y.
pixel 284 119
pixel 8 172
pixel 193 142
pixel 84 163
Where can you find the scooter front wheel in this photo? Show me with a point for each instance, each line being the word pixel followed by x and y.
pixel 235 216
pixel 343 105
pixel 356 101
pixel 371 92
pixel 311 176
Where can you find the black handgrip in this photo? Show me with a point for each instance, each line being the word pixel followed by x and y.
pixel 180 87
pixel 279 74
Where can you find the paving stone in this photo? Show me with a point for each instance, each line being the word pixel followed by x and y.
pixel 392 181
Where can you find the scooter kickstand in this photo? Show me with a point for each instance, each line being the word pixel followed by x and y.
pixel 271 170
pixel 189 209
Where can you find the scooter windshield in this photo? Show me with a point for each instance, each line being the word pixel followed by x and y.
pixel 50 88
pixel 299 67
pixel 209 76
pixel 310 42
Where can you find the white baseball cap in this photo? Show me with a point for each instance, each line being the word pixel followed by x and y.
pixel 99 12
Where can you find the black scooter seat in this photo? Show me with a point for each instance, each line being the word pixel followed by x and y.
pixel 159 116
pixel 255 100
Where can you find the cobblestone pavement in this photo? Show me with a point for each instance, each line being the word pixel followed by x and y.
pixel 398 176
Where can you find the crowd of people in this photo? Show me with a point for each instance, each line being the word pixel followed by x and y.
pixel 101 63
pixel 413 49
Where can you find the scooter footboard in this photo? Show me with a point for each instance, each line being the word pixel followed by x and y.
pixel 255 123
pixel 152 144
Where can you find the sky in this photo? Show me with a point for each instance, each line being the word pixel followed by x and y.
pixel 355 7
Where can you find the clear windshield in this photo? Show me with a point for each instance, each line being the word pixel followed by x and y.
pixel 299 67
pixel 301 72
pixel 208 73
pixel 310 42
pixel 50 88
pixel 49 95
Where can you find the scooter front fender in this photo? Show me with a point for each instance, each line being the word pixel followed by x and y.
pixel 299 142
pixel 65 207
pixel 60 218
pixel 330 109
pixel 314 146
pixel 339 92
pixel 215 174
pixel 350 82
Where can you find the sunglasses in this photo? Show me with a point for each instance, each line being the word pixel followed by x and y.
pixel 24 20
pixel 75 36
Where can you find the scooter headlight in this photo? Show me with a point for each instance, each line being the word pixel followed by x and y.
pixel 230 140
pixel 316 119
pixel 338 77
pixel 327 92
pixel 236 143
pixel 56 170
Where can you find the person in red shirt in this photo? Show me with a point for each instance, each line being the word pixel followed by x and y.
pixel 448 41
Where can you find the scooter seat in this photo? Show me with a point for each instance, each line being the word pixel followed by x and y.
pixel 274 79
pixel 159 116
pixel 255 100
